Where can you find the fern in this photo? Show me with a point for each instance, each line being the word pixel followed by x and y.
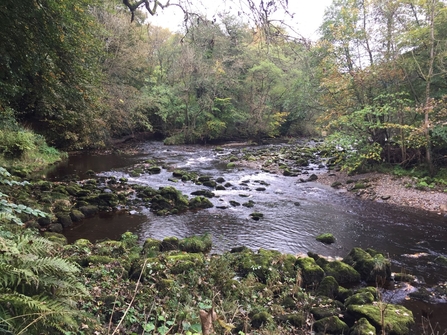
pixel 38 291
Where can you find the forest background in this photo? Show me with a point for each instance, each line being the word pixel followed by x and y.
pixel 78 74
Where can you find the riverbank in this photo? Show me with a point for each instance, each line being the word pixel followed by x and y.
pixel 380 187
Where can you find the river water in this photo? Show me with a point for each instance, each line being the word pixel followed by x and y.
pixel 294 214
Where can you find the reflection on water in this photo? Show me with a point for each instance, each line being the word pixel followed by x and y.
pixel 294 214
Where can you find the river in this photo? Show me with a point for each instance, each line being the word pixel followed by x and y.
pixel 294 214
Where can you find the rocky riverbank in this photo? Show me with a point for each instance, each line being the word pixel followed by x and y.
pixel 399 191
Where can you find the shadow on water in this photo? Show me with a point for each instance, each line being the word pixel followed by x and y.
pixel 294 214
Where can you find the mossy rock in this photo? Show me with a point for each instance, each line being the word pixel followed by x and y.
pixel 261 319
pixel 209 183
pixel 256 216
pixel 108 199
pixel 398 320
pixel 326 238
pixel 343 293
pixel 369 267
pixel 76 215
pixel 205 193
pixel 311 272
pixel 404 277
pixel 220 188
pixel 169 243
pixel 234 203
pixel 56 238
pixel 331 325
pixel 151 246
pixel 200 202
pixel 342 272
pixel 293 319
pixel 363 327
pixel 154 169
pixel 184 262
pixel 89 210
pixel 109 248
pixel 231 165
pixel 325 312
pixel 202 244
pixel 83 243
pixel 441 260
pixel 249 204
pixel 360 298
pixel 64 219
pixel 328 287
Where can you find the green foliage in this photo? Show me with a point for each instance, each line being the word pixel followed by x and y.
pixel 38 290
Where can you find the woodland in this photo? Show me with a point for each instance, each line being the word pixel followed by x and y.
pixel 78 74
pixel 86 74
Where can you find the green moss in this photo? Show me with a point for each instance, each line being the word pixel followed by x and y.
pixel 200 202
pixel 331 325
pixel 370 267
pixel 328 287
pixel 360 298
pixel 326 238
pixel 56 238
pixel 202 243
pixel 151 246
pixel 342 272
pixel 261 319
pixel 311 272
pixel 363 327
pixel 231 165
pixel 397 319
pixel 169 243
pixel 83 243
pixel 184 262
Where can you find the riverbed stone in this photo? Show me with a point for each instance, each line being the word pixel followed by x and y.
pixel 397 320
pixel 64 219
pixel 331 325
pixel 326 238
pixel 89 210
pixel 200 202
pixel 76 215
pixel 205 193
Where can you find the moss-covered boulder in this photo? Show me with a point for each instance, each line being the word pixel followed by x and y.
pixel 89 210
pixel 64 219
pixel 169 243
pixel 311 273
pixel 360 298
pixel 342 272
pixel 200 202
pixel 331 325
pixel 205 193
pixel 202 244
pixel 363 327
pixel 109 248
pixel 326 238
pixel 76 215
pixel 261 319
pixel 328 287
pixel 184 262
pixel 325 312
pixel 100 259
pixel 370 267
pixel 151 246
pixel 56 238
pixel 397 320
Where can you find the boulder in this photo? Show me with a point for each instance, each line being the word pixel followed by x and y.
pixel 397 320
pixel 328 287
pixel 326 238
pixel 201 244
pixel 363 327
pixel 312 274
pixel 370 267
pixel 331 325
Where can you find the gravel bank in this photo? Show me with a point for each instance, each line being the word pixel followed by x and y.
pixel 386 188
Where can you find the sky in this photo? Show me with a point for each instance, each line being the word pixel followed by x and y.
pixel 308 15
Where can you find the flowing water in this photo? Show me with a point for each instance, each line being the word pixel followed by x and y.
pixel 294 214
